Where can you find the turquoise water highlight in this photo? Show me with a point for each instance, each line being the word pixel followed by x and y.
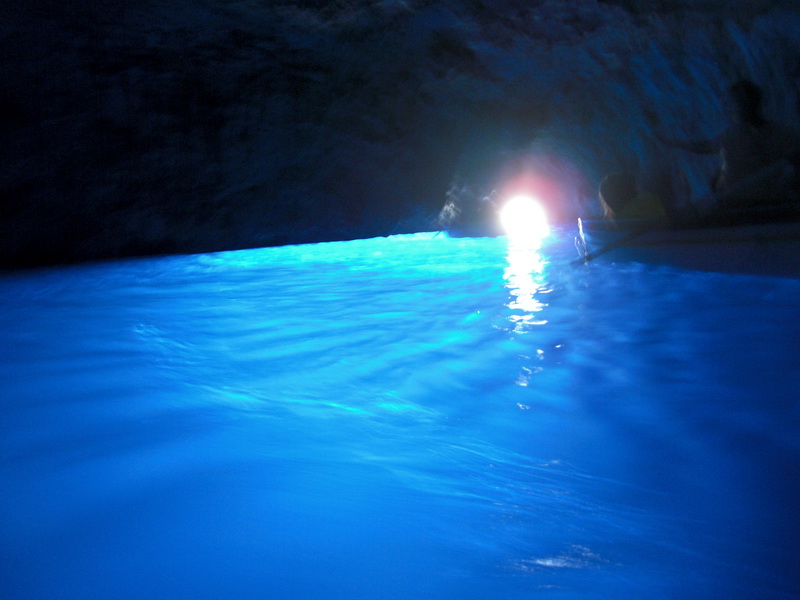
pixel 413 416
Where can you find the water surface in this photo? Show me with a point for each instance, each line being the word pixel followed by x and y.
pixel 413 416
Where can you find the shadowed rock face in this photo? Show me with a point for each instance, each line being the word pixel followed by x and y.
pixel 133 128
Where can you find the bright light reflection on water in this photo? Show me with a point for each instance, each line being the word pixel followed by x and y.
pixel 409 417
pixel 525 277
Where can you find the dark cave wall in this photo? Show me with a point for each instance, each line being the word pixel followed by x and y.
pixel 154 127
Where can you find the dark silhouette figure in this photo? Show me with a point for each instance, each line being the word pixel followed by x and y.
pixel 622 197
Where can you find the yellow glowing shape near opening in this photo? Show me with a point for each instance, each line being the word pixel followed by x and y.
pixel 524 219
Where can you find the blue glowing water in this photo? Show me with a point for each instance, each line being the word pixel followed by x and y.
pixel 409 417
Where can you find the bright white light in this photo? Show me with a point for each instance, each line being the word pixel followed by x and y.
pixel 524 219
pixel 526 226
